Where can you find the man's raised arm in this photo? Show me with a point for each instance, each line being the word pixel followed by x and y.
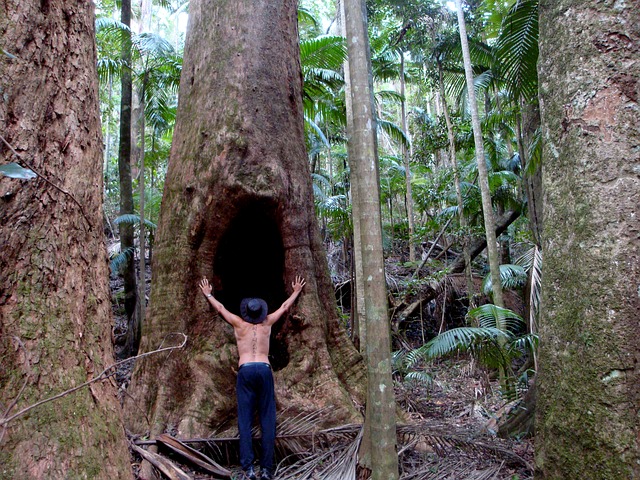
pixel 229 317
pixel 297 288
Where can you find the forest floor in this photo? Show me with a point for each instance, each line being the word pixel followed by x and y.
pixel 449 430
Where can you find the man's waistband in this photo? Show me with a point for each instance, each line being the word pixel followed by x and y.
pixel 255 364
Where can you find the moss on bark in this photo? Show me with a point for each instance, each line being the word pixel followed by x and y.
pixel 589 382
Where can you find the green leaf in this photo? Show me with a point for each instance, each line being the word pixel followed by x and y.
pixel 134 219
pixel 13 170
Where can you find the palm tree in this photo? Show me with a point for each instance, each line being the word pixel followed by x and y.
pixel 380 431
pixel 157 81
pixel 483 177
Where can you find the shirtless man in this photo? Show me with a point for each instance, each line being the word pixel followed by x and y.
pixel 254 385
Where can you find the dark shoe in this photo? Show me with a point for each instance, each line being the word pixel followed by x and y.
pixel 250 474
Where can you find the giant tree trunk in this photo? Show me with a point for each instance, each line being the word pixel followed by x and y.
pixel 589 381
pixel 238 209
pixel 54 298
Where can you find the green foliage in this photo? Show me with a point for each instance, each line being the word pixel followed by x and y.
pixel 119 260
pixel 133 219
pixel 511 277
pixel 517 50
pixel 492 316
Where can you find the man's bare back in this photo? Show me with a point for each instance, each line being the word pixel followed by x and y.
pixel 253 342
pixel 252 339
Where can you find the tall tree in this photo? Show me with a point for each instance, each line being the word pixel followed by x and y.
pixel 483 176
pixel 126 188
pixel 589 382
pixel 54 298
pixel 238 209
pixel 406 155
pixel 380 431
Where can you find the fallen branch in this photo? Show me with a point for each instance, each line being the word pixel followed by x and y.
pixel 474 249
pixel 426 257
pixel 103 375
pixel 166 466
pixel 193 455
pixel 22 160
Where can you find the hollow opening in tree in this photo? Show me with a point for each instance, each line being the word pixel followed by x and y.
pixel 249 262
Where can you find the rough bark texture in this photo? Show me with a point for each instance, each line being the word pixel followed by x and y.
pixel 238 208
pixel 54 297
pixel 380 429
pixel 589 379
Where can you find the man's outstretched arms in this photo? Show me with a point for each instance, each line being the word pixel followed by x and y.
pixel 229 317
pixel 297 286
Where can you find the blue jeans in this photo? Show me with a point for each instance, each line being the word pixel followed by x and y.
pixel 254 389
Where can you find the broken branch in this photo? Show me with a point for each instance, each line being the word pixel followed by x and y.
pixel 103 375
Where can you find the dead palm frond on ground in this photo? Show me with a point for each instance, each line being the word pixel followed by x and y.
pixel 426 450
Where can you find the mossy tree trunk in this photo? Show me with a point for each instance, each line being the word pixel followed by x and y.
pixel 589 378
pixel 238 209
pixel 55 311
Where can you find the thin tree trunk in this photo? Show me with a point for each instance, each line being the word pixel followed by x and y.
pixel 483 176
pixel 124 169
pixel 380 409
pixel 406 154
pixel 360 312
pixel 141 186
pixel 456 178
pixel 55 314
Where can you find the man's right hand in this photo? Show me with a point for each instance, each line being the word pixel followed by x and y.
pixel 205 287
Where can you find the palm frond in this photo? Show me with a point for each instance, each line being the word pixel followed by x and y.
pixel 534 150
pixel 306 16
pixel 152 44
pixel 492 316
pixel 133 219
pixel 394 131
pixel 324 52
pixel 531 261
pixel 118 261
pixel 456 340
pixel 391 95
pixel 511 276
pixel 517 50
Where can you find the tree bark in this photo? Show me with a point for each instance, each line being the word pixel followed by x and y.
pixel 380 413
pixel 238 209
pixel 589 382
pixel 126 189
pixel 359 314
pixel 406 155
pixel 483 176
pixel 55 318
pixel 527 124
